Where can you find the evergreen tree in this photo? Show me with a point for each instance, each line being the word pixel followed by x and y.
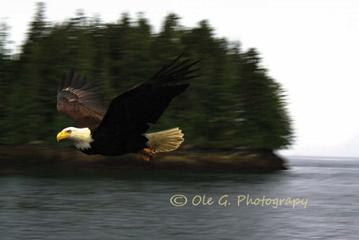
pixel 234 103
pixel 5 74
pixel 261 114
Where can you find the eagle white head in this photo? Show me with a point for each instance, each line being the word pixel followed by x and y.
pixel 81 137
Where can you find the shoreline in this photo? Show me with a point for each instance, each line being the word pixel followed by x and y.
pixel 30 157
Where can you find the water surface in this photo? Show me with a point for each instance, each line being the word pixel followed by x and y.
pixel 132 205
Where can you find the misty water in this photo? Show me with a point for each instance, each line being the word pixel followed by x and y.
pixel 130 205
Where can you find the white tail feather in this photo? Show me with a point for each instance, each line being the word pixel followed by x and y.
pixel 165 141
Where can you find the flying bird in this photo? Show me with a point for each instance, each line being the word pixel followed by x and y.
pixel 122 128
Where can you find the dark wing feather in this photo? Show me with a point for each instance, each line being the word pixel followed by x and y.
pixel 131 112
pixel 78 99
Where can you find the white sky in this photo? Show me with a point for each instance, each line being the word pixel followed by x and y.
pixel 310 46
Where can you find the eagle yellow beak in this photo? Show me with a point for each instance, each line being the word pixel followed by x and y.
pixel 62 135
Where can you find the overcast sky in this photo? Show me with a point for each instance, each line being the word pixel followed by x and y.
pixel 310 46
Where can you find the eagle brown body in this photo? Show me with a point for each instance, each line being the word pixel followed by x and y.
pixel 122 127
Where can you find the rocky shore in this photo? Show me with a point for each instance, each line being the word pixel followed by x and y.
pixel 36 157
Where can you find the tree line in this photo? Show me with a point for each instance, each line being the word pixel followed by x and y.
pixel 234 102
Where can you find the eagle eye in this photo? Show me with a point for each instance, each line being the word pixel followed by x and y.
pixel 68 131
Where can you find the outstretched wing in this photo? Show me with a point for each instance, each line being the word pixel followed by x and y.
pixel 78 99
pixel 131 112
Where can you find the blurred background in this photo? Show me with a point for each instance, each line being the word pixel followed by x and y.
pixel 234 103
pixel 308 47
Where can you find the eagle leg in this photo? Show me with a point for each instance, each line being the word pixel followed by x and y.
pixel 148 154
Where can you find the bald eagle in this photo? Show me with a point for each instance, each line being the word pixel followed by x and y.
pixel 123 127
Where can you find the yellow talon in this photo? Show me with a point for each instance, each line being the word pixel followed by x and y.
pixel 148 154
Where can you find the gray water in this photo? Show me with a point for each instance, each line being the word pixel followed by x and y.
pixel 137 205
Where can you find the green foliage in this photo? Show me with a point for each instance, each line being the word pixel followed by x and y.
pixel 234 103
